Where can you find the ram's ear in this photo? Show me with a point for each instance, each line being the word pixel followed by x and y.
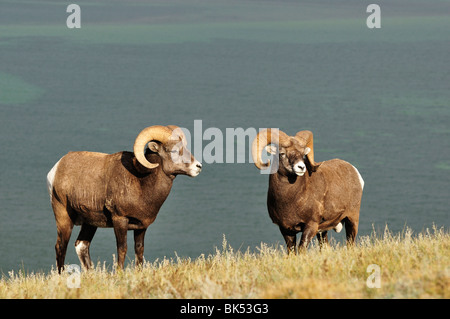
pixel 271 149
pixel 306 138
pixel 153 146
pixel 307 150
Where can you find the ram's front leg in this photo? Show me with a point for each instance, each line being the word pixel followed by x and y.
pixel 139 235
pixel 290 238
pixel 309 231
pixel 120 225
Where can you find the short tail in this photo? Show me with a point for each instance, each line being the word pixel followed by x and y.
pixel 334 223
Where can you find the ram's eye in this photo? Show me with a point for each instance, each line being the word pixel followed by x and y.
pixel 282 154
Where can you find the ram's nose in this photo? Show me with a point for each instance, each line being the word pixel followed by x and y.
pixel 196 168
pixel 299 168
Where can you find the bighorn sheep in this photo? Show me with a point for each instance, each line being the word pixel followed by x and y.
pixel 305 196
pixel 124 190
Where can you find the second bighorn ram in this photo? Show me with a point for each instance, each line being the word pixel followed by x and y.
pixel 124 190
pixel 305 196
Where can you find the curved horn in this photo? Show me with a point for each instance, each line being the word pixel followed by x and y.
pixel 306 138
pixel 152 133
pixel 264 138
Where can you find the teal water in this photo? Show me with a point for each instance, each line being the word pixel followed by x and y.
pixel 379 99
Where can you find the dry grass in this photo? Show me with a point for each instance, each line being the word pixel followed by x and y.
pixel 411 267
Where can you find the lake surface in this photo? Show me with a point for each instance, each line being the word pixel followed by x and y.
pixel 378 98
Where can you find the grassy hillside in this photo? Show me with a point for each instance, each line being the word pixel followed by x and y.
pixel 411 266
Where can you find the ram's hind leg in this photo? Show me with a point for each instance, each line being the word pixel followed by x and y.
pixel 64 226
pixel 322 237
pixel 351 229
pixel 82 244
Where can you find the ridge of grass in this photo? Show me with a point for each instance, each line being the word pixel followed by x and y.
pixel 410 267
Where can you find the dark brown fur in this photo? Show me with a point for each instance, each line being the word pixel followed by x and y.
pixel 315 202
pixel 111 190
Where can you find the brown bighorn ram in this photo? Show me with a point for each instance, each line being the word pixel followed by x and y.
pixel 124 190
pixel 305 196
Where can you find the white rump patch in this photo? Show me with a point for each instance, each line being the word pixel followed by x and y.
pixel 51 178
pixel 338 228
pixel 361 181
